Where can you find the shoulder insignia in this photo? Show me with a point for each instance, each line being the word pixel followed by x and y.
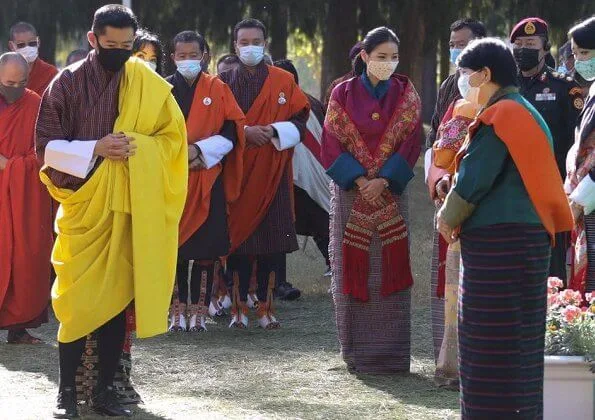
pixel 578 103
pixel 543 77
pixel 569 79
pixel 555 74
pixel 575 91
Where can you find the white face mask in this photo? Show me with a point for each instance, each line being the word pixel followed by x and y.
pixel 251 55
pixel 152 65
pixel 188 68
pixel 382 70
pixel 467 91
pixel 29 53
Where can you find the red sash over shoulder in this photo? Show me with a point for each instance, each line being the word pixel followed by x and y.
pixel 25 218
pixel 366 219
pixel 265 167
pixel 41 75
pixel 204 120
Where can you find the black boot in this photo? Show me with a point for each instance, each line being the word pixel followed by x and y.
pixel 105 402
pixel 286 291
pixel 66 407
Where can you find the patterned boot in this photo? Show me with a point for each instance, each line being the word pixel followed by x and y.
pixel 264 311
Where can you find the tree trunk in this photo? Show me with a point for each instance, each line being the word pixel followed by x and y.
pixel 339 36
pixel 47 32
pixel 369 16
pixel 412 36
pixel 444 58
pixel 430 89
pixel 278 29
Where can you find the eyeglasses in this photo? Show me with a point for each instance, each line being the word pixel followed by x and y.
pixel 27 44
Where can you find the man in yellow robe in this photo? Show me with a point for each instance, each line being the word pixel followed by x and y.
pixel 113 142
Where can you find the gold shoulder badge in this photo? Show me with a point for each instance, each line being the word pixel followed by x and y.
pixel 530 28
pixel 575 91
pixel 578 103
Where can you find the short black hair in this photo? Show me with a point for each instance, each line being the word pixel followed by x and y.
pixel 287 65
pixel 114 15
pixel 188 37
pixel 144 37
pixel 21 27
pixel 475 26
pixel 493 54
pixel 583 34
pixel 228 59
pixel 373 39
pixel 249 23
pixel 76 53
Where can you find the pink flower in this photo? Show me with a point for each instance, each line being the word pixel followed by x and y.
pixel 570 297
pixel 554 282
pixel 553 300
pixel 571 313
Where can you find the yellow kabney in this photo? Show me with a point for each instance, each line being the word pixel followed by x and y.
pixel 118 234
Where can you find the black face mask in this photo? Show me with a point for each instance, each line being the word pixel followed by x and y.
pixel 112 59
pixel 526 58
pixel 11 94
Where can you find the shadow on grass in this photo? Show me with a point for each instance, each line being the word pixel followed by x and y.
pixel 32 358
pixel 414 389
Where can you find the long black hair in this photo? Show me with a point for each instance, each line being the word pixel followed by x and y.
pixel 373 39
pixel 144 37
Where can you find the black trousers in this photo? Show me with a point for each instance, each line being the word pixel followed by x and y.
pixel 266 264
pixel 312 220
pixel 558 258
pixel 110 340
pixel 195 280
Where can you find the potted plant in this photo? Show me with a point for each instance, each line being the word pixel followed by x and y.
pixel 570 350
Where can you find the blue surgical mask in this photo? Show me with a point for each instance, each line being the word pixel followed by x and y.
pixel 251 55
pixel 454 54
pixel 188 68
pixel 586 68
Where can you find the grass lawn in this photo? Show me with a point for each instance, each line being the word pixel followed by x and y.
pixel 295 372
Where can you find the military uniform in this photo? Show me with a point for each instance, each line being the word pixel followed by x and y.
pixel 559 100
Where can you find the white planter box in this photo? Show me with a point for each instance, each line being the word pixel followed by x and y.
pixel 568 389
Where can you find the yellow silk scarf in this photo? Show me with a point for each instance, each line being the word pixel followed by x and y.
pixel 118 234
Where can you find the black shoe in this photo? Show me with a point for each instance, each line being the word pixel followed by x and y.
pixel 66 407
pixel 105 402
pixel 285 291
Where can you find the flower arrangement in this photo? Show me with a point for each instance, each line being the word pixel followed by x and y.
pixel 570 323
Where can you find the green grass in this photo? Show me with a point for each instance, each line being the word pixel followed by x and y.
pixel 295 372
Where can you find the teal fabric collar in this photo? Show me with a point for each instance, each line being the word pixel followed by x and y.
pixel 377 92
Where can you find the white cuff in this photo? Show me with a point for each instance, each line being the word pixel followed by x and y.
pixel 71 157
pixel 584 194
pixel 289 135
pixel 428 160
pixel 213 149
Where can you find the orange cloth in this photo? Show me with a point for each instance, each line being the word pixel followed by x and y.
pixel 25 218
pixel 40 76
pixel 265 166
pixel 205 121
pixel 533 157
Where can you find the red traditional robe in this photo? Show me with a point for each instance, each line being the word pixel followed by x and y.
pixel 264 167
pixel 25 220
pixel 40 76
